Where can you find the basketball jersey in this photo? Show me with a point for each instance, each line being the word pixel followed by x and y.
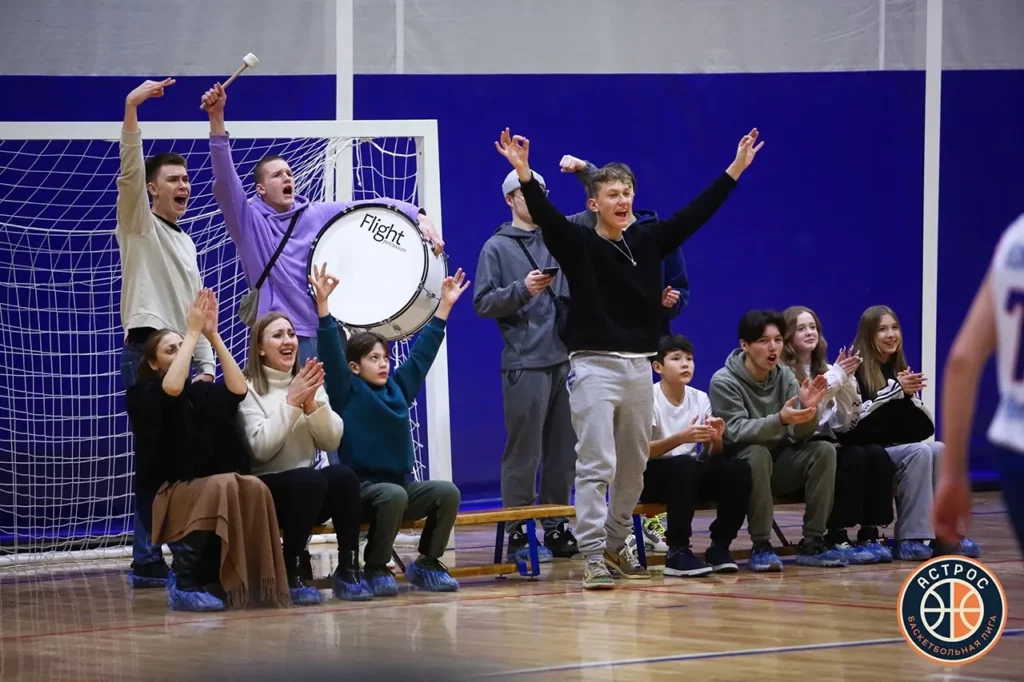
pixel 1007 273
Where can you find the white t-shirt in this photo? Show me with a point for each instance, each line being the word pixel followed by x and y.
pixel 669 419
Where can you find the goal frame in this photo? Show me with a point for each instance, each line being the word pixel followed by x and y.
pixel 423 131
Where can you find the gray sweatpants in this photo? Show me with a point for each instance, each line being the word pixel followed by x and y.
pixel 917 471
pixel 540 432
pixel 810 466
pixel 612 411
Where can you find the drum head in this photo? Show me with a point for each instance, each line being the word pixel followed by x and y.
pixel 379 257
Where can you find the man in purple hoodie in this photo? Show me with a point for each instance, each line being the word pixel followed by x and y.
pixel 257 226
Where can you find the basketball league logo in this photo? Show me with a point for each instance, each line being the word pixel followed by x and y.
pixel 952 610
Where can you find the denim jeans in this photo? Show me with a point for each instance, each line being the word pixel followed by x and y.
pixel 307 350
pixel 143 551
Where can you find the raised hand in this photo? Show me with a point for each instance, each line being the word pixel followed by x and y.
pixel 305 383
pixel 792 415
pixel 323 284
pixel 849 362
pixel 537 282
pixel 147 90
pixel 196 318
pixel 516 150
pixel 212 314
pixel 746 150
pixel 669 297
pixel 570 164
pixel 912 382
pixel 453 286
pixel 215 98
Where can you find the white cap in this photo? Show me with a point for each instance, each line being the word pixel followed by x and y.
pixel 512 183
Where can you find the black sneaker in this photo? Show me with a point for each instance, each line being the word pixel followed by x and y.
pixel 519 548
pixel 720 559
pixel 152 575
pixel 561 541
pixel 682 562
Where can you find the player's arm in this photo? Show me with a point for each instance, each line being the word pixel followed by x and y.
pixel 686 221
pixel 227 186
pixel 132 195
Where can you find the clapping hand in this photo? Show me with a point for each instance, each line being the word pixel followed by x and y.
pixel 698 433
pixel 912 382
pixel 323 285
pixel 793 415
pixel 718 424
pixel 212 313
pixel 849 362
pixel 305 384
pixel 669 297
pixel 147 90
pixel 196 319
pixel 811 392
pixel 516 149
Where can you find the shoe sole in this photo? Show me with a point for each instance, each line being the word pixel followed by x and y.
pixel 726 568
pixel 693 573
pixel 599 586
pixel 628 576
pixel 821 564
pixel 771 568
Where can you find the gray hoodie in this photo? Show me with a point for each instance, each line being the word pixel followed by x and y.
pixel 527 323
pixel 751 409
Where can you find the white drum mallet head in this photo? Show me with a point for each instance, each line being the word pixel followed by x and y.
pixel 249 61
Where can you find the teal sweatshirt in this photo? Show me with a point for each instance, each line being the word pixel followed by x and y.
pixel 376 444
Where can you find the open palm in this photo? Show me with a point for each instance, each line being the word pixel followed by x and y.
pixel 811 392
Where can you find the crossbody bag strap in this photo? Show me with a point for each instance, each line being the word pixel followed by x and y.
pixel 280 248
pixel 533 263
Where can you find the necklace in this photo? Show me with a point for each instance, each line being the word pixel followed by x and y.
pixel 627 253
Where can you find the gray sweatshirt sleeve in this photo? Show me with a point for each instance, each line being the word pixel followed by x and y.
pixel 727 403
pixel 490 298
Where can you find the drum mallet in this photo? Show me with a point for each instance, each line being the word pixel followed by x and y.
pixel 249 61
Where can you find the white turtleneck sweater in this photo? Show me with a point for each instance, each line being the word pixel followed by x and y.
pixel 839 410
pixel 283 437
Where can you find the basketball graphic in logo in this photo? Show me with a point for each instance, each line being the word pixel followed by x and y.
pixel 952 610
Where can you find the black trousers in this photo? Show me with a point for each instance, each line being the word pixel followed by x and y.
pixel 863 492
pixel 683 481
pixel 306 497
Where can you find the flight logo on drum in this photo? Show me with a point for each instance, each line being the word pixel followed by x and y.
pixel 383 232
pixel 952 610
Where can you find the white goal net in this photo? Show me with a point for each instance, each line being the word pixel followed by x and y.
pixel 66 450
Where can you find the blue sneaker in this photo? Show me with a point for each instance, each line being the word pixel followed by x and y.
pixel 519 548
pixel 720 559
pixel 155 574
pixel 814 552
pixel 350 586
pixel 855 554
pixel 682 562
pixel 966 547
pixel 969 548
pixel 881 552
pixel 430 574
pixel 200 600
pixel 764 560
pixel 382 581
pixel 912 550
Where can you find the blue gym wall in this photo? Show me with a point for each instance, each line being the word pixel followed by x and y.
pixel 830 215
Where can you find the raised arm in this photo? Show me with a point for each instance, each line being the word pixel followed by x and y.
pixel 227 186
pixel 491 298
pixel 177 374
pixel 561 236
pixel 685 222
pixel 330 341
pixel 133 216
pixel 234 380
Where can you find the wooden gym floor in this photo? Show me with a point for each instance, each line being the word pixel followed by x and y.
pixel 86 624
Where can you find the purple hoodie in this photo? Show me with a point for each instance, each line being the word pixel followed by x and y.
pixel 257 229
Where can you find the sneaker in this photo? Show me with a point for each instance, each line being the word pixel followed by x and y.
pixel 881 552
pixel 350 585
pixel 814 552
pixel 625 564
pixel 151 575
pixel 430 574
pixel 682 562
pixel 303 594
pixel 518 551
pixel 654 533
pixel 561 542
pixel 912 550
pixel 764 560
pixel 969 548
pixel 855 554
pixel 382 581
pixel 596 575
pixel 720 559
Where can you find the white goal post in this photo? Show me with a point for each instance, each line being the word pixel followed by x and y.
pixel 37 228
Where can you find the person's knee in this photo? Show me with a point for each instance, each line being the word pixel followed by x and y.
pixel 341 478
pixel 738 473
pixel 823 455
pixel 759 461
pixel 390 500
pixel 447 494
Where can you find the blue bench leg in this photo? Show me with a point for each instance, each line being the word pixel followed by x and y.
pixel 638 533
pixel 531 534
pixel 499 544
